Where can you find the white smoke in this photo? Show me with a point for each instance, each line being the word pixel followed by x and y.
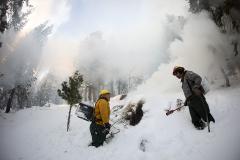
pixel 132 42
pixel 139 46
pixel 117 39
pixel 22 52
pixel 59 56
pixel 202 49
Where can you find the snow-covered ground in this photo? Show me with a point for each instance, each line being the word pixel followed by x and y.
pixel 40 133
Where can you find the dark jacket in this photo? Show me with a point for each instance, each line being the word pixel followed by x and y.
pixel 194 81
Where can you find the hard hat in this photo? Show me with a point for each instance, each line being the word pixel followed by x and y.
pixel 104 91
pixel 177 69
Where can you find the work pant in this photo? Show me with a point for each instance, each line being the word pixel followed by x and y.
pixel 199 109
pixel 98 135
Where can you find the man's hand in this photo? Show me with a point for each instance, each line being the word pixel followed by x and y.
pixel 179 108
pixel 105 131
pixel 107 126
pixel 197 91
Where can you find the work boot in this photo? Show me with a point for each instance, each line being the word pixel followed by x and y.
pixel 90 144
pixel 199 125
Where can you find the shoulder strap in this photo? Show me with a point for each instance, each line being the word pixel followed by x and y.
pixel 189 86
pixel 93 112
pixel 98 100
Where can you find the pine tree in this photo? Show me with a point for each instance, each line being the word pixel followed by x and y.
pixel 70 92
pixel 12 15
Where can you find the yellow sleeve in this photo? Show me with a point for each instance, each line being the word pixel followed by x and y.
pixel 103 107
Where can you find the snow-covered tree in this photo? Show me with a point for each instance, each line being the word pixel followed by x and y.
pixel 225 14
pixel 12 15
pixel 19 65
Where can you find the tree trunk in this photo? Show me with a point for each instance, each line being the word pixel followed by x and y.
pixel 3 97
pixel 119 87
pixel 112 88
pixel 9 104
pixel 226 78
pixel 89 93
pixel 20 95
pixel 235 48
pixel 95 93
pixel 69 116
pixel 85 94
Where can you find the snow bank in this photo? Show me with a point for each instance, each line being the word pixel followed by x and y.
pixel 40 133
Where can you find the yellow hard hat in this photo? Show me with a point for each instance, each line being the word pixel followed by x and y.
pixel 104 91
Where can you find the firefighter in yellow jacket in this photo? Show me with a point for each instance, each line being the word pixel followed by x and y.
pixel 100 125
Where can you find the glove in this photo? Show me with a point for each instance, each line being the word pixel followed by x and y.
pixel 107 126
pixel 105 131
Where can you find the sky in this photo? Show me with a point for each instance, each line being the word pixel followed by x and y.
pixel 87 16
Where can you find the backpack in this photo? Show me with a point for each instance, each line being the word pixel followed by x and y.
pixel 85 112
pixel 205 87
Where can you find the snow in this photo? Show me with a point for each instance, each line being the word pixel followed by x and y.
pixel 39 133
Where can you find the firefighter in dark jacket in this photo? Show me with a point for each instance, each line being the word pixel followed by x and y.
pixel 100 125
pixel 195 100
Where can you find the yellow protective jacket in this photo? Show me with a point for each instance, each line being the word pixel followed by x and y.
pixel 102 112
